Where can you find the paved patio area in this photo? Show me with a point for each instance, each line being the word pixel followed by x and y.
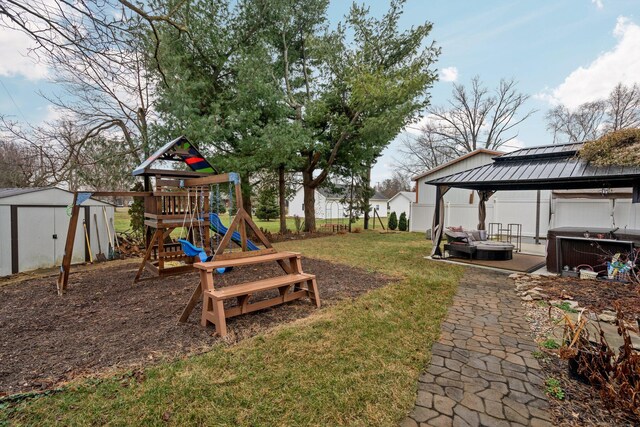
pixel 482 371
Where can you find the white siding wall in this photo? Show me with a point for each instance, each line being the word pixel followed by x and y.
pixel 400 204
pixel 381 204
pixel 5 240
pixel 295 204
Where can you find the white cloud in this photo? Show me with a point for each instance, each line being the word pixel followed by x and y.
pixel 16 59
pixel 449 74
pixel 513 145
pixel 599 4
pixel 596 80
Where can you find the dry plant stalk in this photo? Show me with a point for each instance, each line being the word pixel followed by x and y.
pixel 617 378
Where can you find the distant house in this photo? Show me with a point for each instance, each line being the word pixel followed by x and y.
pixel 401 202
pixel 330 205
pixel 34 224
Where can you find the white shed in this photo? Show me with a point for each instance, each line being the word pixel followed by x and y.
pixel 330 203
pixel 34 224
pixel 402 202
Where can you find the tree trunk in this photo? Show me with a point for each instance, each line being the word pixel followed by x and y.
pixel 309 202
pixel 282 199
pixel 365 197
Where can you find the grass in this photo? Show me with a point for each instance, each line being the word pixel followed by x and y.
pixel 354 363
pixel 122 222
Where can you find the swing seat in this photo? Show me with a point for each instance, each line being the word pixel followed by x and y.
pixel 190 249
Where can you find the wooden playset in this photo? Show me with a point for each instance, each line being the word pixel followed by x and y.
pixel 185 199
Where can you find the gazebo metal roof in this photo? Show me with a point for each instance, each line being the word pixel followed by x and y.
pixel 550 167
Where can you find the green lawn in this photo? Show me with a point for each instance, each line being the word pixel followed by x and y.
pixel 354 363
pixel 121 221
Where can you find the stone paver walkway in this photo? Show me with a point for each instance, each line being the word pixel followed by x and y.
pixel 482 371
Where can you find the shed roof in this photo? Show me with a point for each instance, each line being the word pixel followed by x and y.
pixel 409 195
pixel 10 192
pixel 547 167
pixel 456 160
pixel 13 192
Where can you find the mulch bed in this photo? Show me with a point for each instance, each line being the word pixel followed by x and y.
pixel 105 322
pixel 581 406
pixel 596 295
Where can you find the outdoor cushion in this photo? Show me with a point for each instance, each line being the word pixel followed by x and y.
pixel 456 236
pixel 493 246
pixel 455 229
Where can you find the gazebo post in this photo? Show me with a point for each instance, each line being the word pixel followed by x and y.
pixel 438 220
pixel 484 196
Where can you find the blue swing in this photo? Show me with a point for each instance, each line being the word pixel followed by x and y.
pixel 190 249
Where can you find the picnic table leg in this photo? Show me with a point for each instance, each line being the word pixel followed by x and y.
pixel 219 318
pixel 195 297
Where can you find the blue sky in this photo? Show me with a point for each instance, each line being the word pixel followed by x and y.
pixel 569 51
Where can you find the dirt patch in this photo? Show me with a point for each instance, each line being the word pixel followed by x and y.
pixel 595 295
pixel 106 322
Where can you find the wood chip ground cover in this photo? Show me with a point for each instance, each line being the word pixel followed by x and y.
pixel 105 322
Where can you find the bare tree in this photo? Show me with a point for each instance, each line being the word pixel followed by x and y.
pixel 623 107
pixel 422 152
pixel 474 118
pixel 585 123
pixel 22 166
pixel 591 120
pixel 391 186
pixel 98 53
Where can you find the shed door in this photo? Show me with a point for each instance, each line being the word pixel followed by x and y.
pixel 61 228
pixel 42 233
pixel 36 246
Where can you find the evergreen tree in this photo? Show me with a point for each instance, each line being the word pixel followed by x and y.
pixel 267 205
pixel 393 221
pixel 402 223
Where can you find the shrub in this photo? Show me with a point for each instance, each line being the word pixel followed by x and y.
pixel 393 221
pixel 267 206
pixel 402 223
pixel 554 389
pixel 298 222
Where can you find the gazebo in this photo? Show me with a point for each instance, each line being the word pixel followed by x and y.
pixel 549 167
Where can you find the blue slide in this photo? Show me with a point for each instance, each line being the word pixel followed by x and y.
pixel 217 226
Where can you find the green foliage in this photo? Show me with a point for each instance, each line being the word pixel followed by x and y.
pixel 136 212
pixel 565 306
pixel 402 223
pixel 537 354
pixel 550 343
pixel 267 205
pixel 393 221
pixel 554 389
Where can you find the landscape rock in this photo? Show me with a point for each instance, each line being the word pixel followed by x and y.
pixel 603 317
pixel 527 298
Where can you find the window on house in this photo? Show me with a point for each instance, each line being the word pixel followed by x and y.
pixel 377 207
pixel 303 206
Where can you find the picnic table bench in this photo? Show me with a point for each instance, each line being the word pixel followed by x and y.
pixel 294 284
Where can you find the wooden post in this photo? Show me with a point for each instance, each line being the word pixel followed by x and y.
pixel 243 226
pixel 63 278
